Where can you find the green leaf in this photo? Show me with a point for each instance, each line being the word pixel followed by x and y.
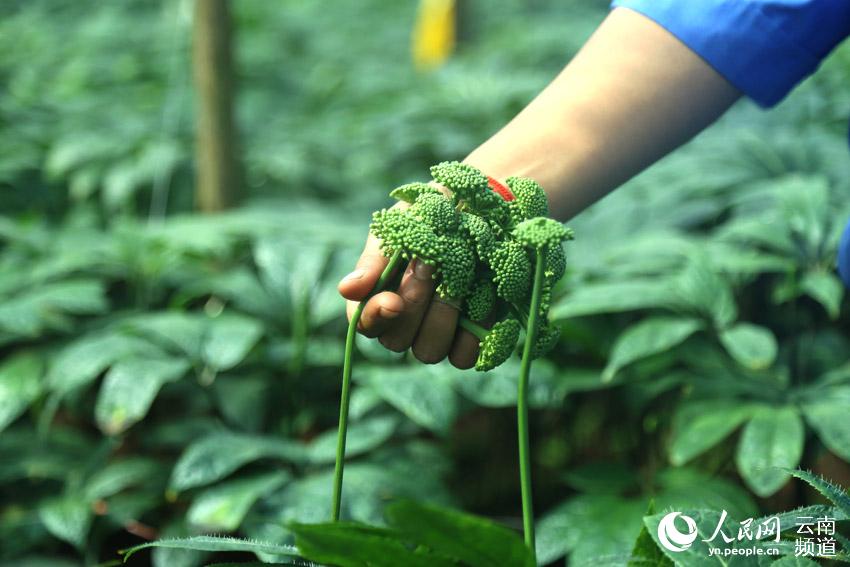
pixel 498 387
pixel 827 489
pixel 646 552
pixel 605 297
pixel 650 336
pixel 218 544
pixel 683 487
pixel 788 519
pixel 828 417
pixel 363 436
pixel 224 506
pixel 754 347
pixel 45 561
pixel 67 518
pixel 411 470
pixel 20 385
pixel 120 475
pixel 605 478
pixel 26 455
pixel 175 557
pixel 45 306
pixel 794 561
pixel 699 426
pixel 347 544
pixel 735 259
pixel 771 442
pixel 220 342
pixel 467 538
pixel 701 289
pixel 216 456
pixel 826 289
pixel 697 554
pixel 243 400
pixel 589 528
pixel 229 339
pixel 85 359
pixel 175 330
pixel 426 398
pixel 129 389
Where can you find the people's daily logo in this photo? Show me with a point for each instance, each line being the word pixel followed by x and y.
pixel 670 536
pixel 750 537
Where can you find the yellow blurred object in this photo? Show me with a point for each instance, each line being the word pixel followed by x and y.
pixel 433 37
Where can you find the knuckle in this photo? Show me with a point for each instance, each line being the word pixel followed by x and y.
pixel 443 309
pixel 370 259
pixel 417 294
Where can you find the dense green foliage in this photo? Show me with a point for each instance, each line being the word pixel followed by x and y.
pixel 173 375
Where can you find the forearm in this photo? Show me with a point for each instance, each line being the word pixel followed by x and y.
pixel 631 95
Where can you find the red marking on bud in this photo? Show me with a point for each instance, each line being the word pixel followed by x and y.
pixel 501 189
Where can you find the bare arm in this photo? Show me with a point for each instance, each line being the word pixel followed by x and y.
pixel 630 96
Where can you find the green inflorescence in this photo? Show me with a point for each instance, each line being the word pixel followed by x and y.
pixel 458 266
pixel 469 186
pixel 530 199
pixel 481 300
pixel 498 345
pixel 483 248
pixel 547 338
pixel 541 233
pixel 410 191
pixel 512 268
pixel 400 231
pixel 437 212
pixel 481 233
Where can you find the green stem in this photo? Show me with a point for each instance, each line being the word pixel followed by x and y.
pixel 346 384
pixel 522 406
pixel 473 327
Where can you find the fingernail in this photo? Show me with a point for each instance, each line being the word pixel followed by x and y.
pixel 422 271
pixel 355 275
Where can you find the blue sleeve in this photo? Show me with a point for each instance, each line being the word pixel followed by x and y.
pixel 763 47
pixel 844 256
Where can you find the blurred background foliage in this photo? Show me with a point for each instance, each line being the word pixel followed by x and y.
pixel 170 373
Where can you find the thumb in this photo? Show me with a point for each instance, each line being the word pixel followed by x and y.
pixel 357 284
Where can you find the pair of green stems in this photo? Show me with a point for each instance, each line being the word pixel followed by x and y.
pixel 522 394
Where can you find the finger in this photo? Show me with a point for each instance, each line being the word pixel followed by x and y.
pixel 357 285
pixel 434 340
pixel 464 351
pixel 378 313
pixel 416 290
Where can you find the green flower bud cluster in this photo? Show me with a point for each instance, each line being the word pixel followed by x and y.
pixel 481 300
pixel 498 345
pixel 484 249
pixel 437 212
pixel 530 201
pixel 511 267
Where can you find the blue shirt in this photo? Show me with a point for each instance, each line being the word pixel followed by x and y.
pixel 763 47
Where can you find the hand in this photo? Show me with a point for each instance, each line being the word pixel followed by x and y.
pixel 413 315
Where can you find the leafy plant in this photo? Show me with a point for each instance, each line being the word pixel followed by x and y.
pixel 703 291
pixel 416 535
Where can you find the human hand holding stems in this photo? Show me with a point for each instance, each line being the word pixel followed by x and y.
pixel 632 94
